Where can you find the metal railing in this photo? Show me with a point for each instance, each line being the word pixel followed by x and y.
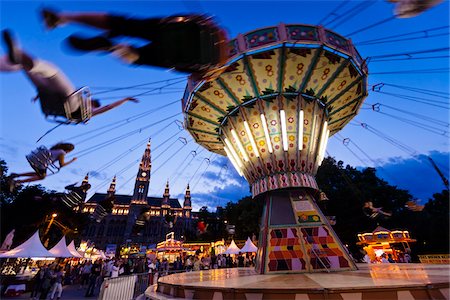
pixel 126 287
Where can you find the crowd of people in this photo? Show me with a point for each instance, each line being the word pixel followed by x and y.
pixel 89 275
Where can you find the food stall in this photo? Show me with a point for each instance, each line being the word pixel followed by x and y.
pixel 382 240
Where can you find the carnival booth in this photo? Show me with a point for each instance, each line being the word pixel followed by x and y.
pixel 16 273
pixel 170 249
pixel 232 248
pixel 382 240
pixel 249 247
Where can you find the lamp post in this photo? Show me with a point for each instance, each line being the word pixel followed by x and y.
pixel 54 215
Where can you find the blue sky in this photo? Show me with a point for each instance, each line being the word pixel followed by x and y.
pixel 215 183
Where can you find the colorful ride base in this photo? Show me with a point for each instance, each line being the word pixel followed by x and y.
pixel 371 281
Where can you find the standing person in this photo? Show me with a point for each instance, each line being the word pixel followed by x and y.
pixel 37 282
pixel 187 43
pixel 57 95
pixel 46 283
pixel 407 258
pixel 390 258
pixel 57 153
pixel 115 270
pixel 85 273
pixel 240 260
pixel 384 259
pixel 95 272
pixel 57 285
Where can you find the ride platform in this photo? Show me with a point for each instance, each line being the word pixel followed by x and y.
pixel 370 281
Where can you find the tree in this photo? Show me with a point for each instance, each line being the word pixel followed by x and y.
pixel 26 209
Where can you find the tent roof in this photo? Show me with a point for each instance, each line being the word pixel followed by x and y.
pixel 232 249
pixel 249 246
pixel 380 228
pixel 73 250
pixel 31 248
pixel 60 249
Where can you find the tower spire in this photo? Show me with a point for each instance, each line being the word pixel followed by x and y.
pixel 166 194
pixel 143 177
pixel 112 187
pixel 86 179
pixel 187 198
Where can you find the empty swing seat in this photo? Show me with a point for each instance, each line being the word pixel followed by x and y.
pixel 99 213
pixel 73 198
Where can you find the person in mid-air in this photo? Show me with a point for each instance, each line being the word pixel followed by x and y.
pixel 187 43
pixel 57 95
pixel 55 154
pixel 375 212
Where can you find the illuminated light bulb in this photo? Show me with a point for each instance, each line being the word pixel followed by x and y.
pixel 233 162
pixel 266 133
pixel 323 145
pixel 252 141
pixel 233 152
pixel 239 144
pixel 283 130
pixel 300 130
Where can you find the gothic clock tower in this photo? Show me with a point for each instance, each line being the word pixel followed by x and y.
pixel 143 178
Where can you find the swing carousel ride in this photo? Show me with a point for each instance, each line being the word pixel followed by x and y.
pixel 284 91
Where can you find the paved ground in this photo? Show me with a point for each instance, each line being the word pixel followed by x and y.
pixel 70 292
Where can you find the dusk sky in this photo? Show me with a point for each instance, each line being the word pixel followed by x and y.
pixel 411 124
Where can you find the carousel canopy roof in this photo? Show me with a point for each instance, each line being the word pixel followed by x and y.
pixel 60 249
pixel 31 248
pixel 73 250
pixel 249 246
pixel 232 249
pixel 285 60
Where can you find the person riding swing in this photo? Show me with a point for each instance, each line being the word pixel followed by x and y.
pixel 188 43
pixel 57 96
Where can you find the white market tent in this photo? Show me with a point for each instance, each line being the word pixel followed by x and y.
pixel 60 249
pixel 73 250
pixel 249 246
pixel 31 248
pixel 232 249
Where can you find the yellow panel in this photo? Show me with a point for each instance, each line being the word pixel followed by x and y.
pixel 272 113
pixel 203 110
pixel 216 95
pixel 346 77
pixel 198 123
pixel 323 71
pixel 296 66
pixel 292 111
pixel 237 80
pixel 265 67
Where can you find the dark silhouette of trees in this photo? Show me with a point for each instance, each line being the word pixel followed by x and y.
pixel 26 209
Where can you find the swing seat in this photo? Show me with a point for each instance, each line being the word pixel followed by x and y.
pixel 213 45
pixel 73 199
pixel 207 43
pixel 99 213
pixel 57 109
pixel 41 162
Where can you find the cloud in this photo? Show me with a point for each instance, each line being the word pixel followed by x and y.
pixel 98 175
pixel 417 175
